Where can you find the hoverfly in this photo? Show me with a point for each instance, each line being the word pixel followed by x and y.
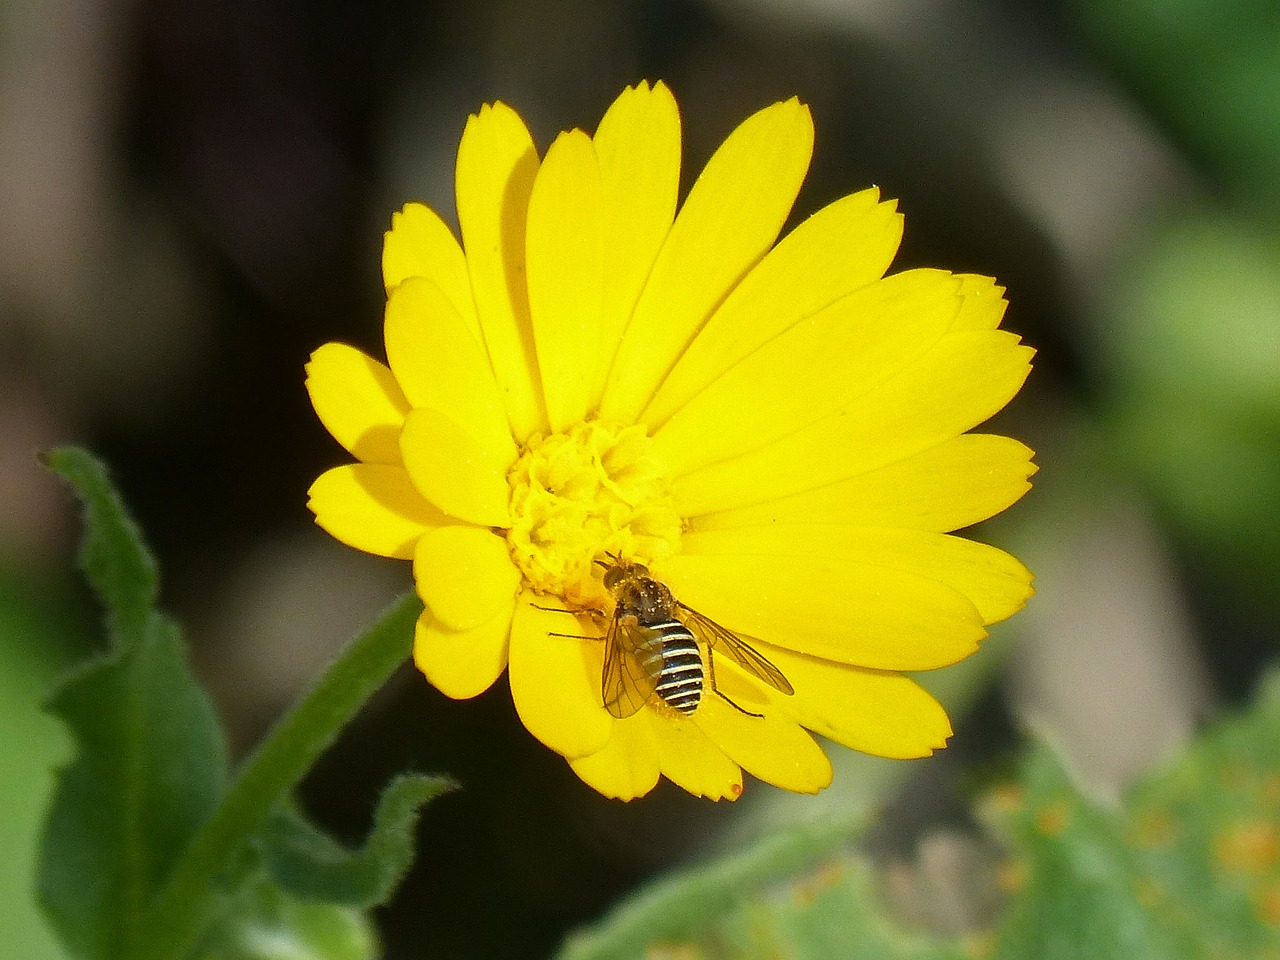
pixel 652 647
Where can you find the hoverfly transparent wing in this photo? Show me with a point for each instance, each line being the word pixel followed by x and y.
pixel 724 640
pixel 630 671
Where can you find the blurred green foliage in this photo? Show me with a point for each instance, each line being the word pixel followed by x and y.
pixel 269 924
pixel 1191 335
pixel 40 632
pixel 1188 868
pixel 1209 72
pixel 1193 338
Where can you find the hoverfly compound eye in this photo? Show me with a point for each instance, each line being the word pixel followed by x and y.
pixel 618 570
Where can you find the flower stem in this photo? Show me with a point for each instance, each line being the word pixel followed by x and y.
pixel 187 903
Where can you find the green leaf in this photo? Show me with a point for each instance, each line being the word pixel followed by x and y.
pixel 150 767
pixel 311 865
pixel 265 923
pixel 112 553
pixel 41 628
pixel 150 760
pixel 1079 887
pixel 1206 833
pixel 1188 868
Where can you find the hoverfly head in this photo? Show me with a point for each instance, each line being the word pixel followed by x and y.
pixel 617 571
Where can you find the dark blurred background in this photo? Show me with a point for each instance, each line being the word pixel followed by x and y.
pixel 192 198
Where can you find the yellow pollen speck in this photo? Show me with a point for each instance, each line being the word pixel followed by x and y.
pixel 1011 876
pixel 579 495
pixel 1267 904
pixel 1007 798
pixel 807 889
pixel 1248 847
pixel 1053 819
pixel 979 945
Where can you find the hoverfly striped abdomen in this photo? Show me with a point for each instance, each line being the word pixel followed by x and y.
pixel 680 674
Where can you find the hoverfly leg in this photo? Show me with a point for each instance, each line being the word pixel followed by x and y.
pixel 568 636
pixel 711 677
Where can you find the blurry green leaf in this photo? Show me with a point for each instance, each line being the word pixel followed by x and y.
pixel 1210 72
pixel 1197 313
pixel 1079 883
pixel 1216 478
pixel 1207 836
pixel 1187 869
pixel 265 923
pixel 685 910
pixel 150 762
pixel 40 630
pixel 1192 342
pixel 311 865
pixel 112 553
pixel 1190 868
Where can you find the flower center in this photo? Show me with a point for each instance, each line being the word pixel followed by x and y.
pixel 578 495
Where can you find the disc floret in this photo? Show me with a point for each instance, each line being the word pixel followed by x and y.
pixel 576 496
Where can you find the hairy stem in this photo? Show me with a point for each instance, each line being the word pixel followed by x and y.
pixel 186 903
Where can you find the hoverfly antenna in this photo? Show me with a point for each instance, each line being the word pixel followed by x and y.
pixel 615 560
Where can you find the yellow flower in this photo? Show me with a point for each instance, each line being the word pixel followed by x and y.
pixel 776 432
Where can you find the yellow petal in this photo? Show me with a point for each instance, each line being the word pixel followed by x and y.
pixel 374 508
pixel 566 276
pixel 877 712
pixel 465 575
pixel 638 147
pixel 496 166
pixel 962 381
pixel 358 401
pixel 996 583
pixel 627 766
pixel 690 760
pixel 555 680
pixel 813 369
pixel 773 747
pixel 844 246
pixel 454 470
pixel 419 244
pixel 960 482
pixel 984 303
pixel 829 607
pixel 462 663
pixel 440 364
pixel 730 218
